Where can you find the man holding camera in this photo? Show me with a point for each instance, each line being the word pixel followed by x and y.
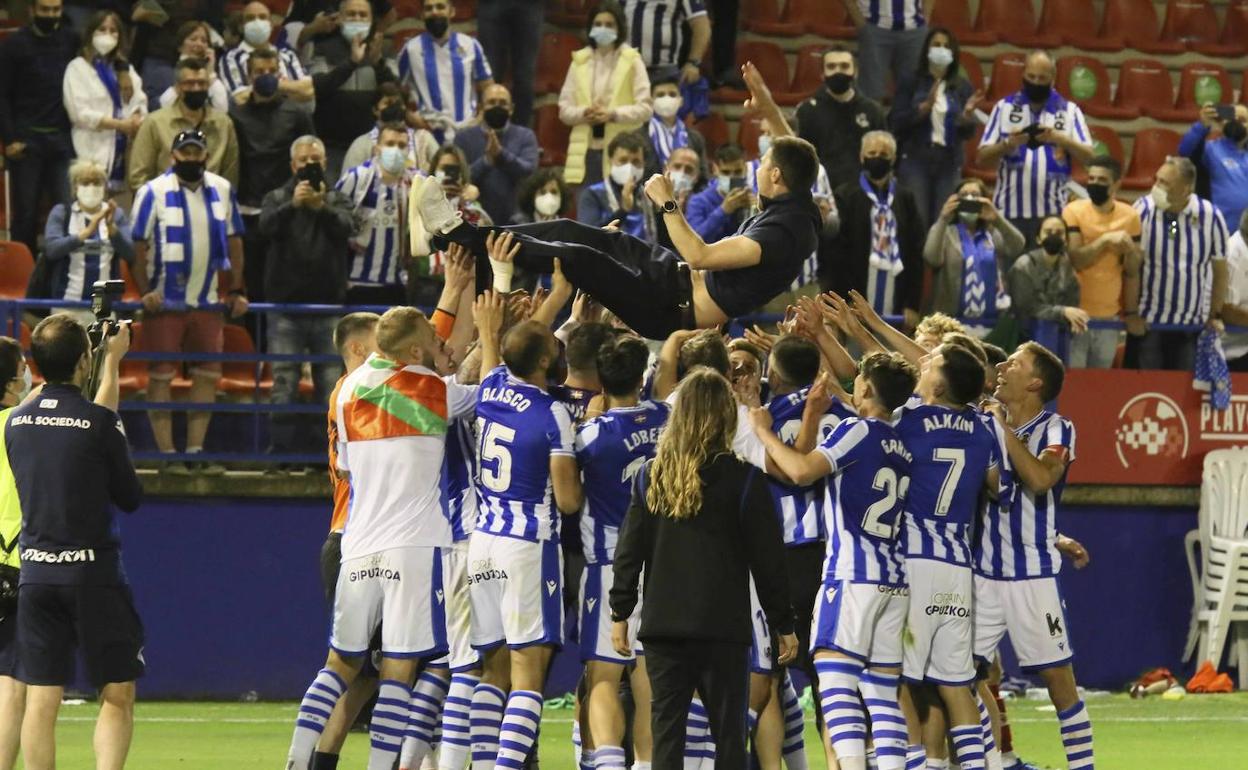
pixel 1225 158
pixel 71 464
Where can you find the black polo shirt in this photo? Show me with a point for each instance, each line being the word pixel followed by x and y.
pixel 787 231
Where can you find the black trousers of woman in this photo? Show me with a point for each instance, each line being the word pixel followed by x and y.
pixel 647 286
pixel 720 672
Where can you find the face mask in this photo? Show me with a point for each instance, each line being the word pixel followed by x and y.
pixel 90 196
pixel 1235 131
pixel 603 36
pixel 443 177
pixel 1053 245
pixel 256 32
pixel 940 57
pixel 1037 92
pixel 667 106
pixel 189 170
pixel 265 85
pixel 839 83
pixel 547 204
pixel 393 159
pixel 437 25
pixel 1161 198
pixel 723 184
pixel 1098 193
pixel 393 113
pixel 47 24
pixel 104 43
pixel 764 144
pixel 681 181
pixel 353 29
pixel 195 100
pixel 623 173
pixel 877 167
pixel 497 117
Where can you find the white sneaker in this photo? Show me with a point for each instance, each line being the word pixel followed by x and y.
pixel 436 212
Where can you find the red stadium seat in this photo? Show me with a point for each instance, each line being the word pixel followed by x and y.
pixel 956 16
pixel 239 377
pixel 1235 28
pixel 808 74
pixel 401 37
pixel 714 129
pixel 1144 84
pixel 972 69
pixel 131 293
pixel 1201 83
pixel 823 18
pixel 969 167
pixel 1075 22
pixel 1194 23
pixel 1006 76
pixel 772 65
pixel 1106 142
pixel 1013 22
pixel 554 57
pixel 409 9
pixel 465 10
pixel 16 264
pixel 552 135
pixel 1134 22
pixel 1084 80
pixel 134 373
pixel 764 18
pixel 1152 147
pixel 747 135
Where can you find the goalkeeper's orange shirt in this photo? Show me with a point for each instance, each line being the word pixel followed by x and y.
pixel 342 483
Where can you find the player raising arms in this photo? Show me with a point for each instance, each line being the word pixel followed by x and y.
pixel 860 613
pixel 527 476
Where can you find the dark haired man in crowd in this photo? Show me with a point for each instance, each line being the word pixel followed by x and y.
pixel 836 117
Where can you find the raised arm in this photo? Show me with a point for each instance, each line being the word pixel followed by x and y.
pixel 791 465
pixel 892 336
pixel 488 312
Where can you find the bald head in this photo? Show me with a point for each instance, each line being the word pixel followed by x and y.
pixel 529 349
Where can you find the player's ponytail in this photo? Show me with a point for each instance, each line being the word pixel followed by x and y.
pixel 701 426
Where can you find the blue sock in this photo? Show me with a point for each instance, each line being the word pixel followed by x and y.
pixel 487 716
pixel 314 710
pixel 968 746
pixel 456 743
pixel 519 728
pixel 1077 736
pixel 388 724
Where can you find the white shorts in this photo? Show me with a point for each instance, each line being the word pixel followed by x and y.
pixel 762 661
pixel 1031 611
pixel 515 587
pixel 595 617
pixel 462 657
pixel 399 588
pixel 939 629
pixel 862 620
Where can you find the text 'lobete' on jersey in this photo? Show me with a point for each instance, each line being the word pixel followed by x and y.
pixel 953 452
pixel 611 450
pixel 865 494
pixel 519 428
pixel 71 464
pixel 392 431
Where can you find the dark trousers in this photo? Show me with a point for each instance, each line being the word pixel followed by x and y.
pixel 511 34
pixel 1163 350
pixel 720 672
pixel 645 285
pixel 724 36
pixel 42 169
pixel 804 565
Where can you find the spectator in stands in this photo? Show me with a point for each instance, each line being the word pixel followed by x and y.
pixel 501 153
pixel 377 193
pixel 878 250
pixel 186 220
pixel 890 39
pixel 683 170
pixel 835 118
pixel 307 226
pixel 343 106
pixel 606 93
pixel 266 122
pixel 1032 137
pixel 933 115
pixel 1043 285
pixel 34 127
pixel 150 156
pixel 970 253
pixel 1183 274
pixel 1235 310
pixel 390 107
pixel 195 42
pixel 293 82
pixel 666 131
pixel 619 195
pixel 510 31
pixel 158 31
pixel 450 168
pixel 719 209
pixel 446 93
pixel 1104 236
pixel 658 28
pixel 1225 159
pixel 542 197
pixel 312 19
pixel 85 239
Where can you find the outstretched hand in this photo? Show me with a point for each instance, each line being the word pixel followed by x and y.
pixel 659 189
pixel 460 267
pixel 760 99
pixel 502 248
pixel 487 313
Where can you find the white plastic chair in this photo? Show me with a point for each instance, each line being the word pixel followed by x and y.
pixel 1220 583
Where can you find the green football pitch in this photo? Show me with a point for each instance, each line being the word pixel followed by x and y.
pixel 1198 733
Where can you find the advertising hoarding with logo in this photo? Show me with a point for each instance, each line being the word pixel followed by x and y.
pixel 1147 427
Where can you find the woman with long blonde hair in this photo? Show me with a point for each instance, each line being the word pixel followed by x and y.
pixel 700 524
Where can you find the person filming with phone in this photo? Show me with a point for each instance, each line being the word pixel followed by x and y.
pixel 1224 158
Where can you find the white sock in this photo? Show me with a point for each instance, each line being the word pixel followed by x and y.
pixel 699 746
pixel 1077 736
pixel 751 722
pixel 841 709
pixel 314 710
pixel 794 748
pixel 456 745
pixel 937 764
pixel 916 757
pixel 609 758
pixel 992 757
pixel 487 717
pixel 888 724
pixel 968 746
pixel 577 751
pixel 424 713
pixel 641 766
pixel 519 728
pixel 388 724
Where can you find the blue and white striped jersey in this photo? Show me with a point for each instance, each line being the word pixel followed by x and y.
pixel 1018 534
pixel 444 76
pixel 90 262
pixel 953 450
pixel 893 14
pixel 189 232
pixel 575 399
pixel 519 428
pixel 380 215
pixel 611 449
pixel 1176 281
pixel 799 508
pixel 655 28
pixel 232 68
pixel 1032 182
pixel 866 493
pixel 458 470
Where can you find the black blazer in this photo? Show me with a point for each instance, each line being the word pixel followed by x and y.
pixel 844 260
pixel 697 569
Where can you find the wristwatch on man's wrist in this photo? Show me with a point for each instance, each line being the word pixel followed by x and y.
pixel 670 207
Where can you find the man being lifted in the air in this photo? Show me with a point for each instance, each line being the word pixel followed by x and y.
pixel 652 289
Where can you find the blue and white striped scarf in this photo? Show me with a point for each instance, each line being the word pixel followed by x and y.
pixel 665 140
pixel 885 255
